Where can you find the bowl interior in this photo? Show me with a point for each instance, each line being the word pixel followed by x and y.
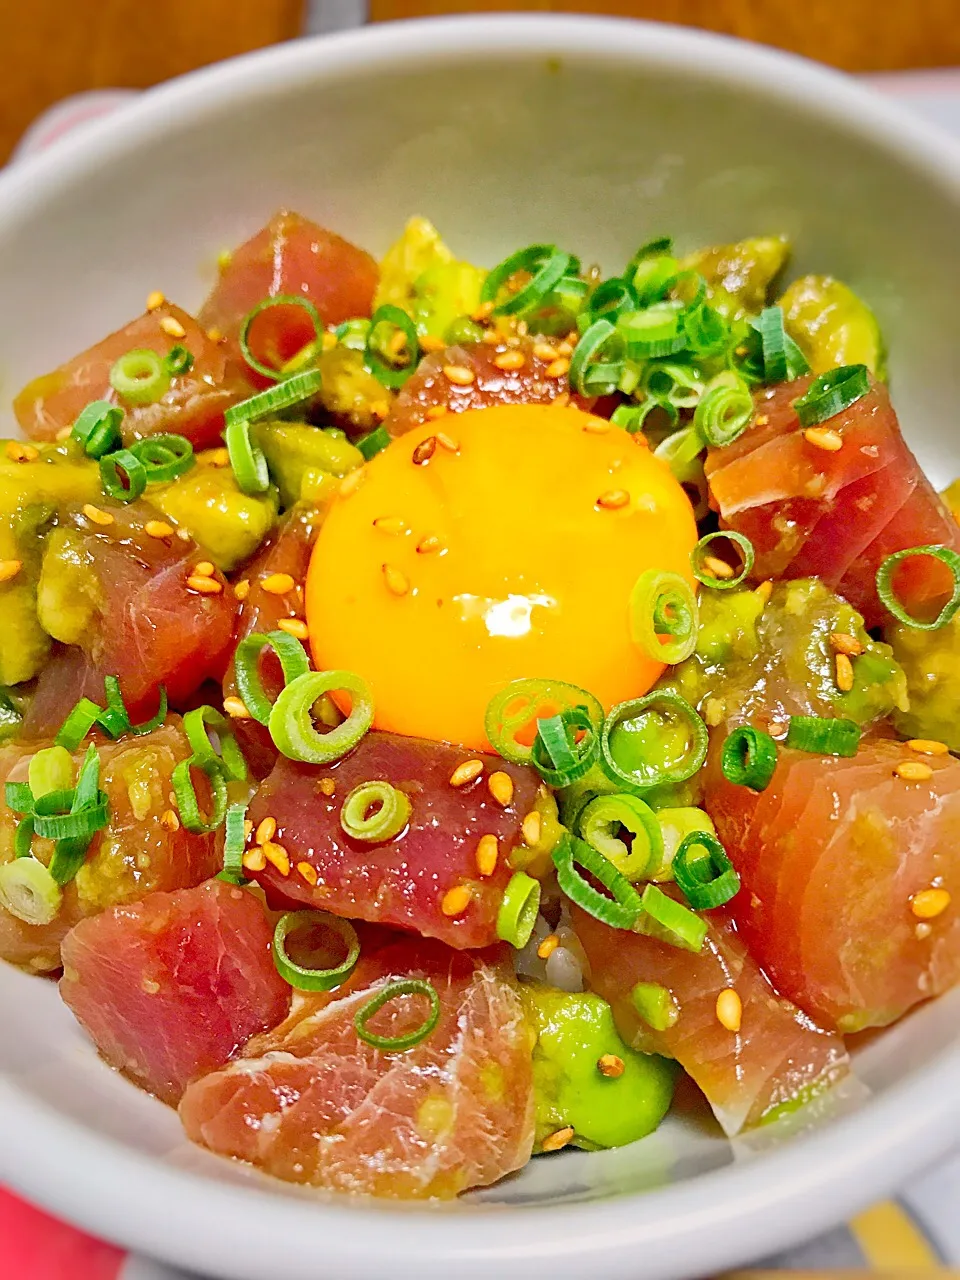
pixel 595 135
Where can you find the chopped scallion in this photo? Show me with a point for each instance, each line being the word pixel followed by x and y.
pixel 392 991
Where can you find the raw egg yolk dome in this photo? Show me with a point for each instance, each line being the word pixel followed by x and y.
pixel 489 545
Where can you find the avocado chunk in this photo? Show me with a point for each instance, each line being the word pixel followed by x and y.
pixel 305 461
pixel 832 326
pixel 739 276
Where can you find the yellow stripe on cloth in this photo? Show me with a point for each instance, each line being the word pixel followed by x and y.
pixel 891 1240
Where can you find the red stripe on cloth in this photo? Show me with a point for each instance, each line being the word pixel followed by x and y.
pixel 34 1246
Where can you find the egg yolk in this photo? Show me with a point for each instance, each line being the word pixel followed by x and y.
pixel 489 545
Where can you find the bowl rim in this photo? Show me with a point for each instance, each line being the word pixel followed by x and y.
pixel 715 1220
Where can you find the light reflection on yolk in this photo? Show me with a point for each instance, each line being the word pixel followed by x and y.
pixel 442 582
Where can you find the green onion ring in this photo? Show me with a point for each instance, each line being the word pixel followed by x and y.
pixel 652 333
pixel 773 344
pixel 653 277
pixel 122 463
pixel 828 737
pixel 599 335
pixel 622 910
pixel 293 663
pixel 707 331
pixel 303 979
pixel 275 400
pixel 888 596
pixel 544 262
pixel 612 299
pixel 231 758
pixel 234 840
pixel 521 703
pixel 664 618
pixel 518 910
pixel 601 818
pixel 291 725
pixel 140 376
pixel 392 990
pixel 749 758
pixel 558 757
pixel 248 460
pixel 23 837
pixel 723 414
pixel 632 416
pixel 670 705
pixel 699 554
pixel 186 795
pixel 29 892
pixel 352 334
pixel 391 375
pixel 671 921
pixel 831 393
pixel 165 456
pixel 707 881
pixel 98 428
pixel 114 719
pixel 374 442
pixel 77 724
pixel 278 300
pixel 19 797
pixel 155 721
pixel 375 812
pixel 179 360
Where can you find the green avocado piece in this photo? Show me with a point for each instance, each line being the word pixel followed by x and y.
pixel 739 276
pixel 832 326
pixel 299 455
pixel 207 501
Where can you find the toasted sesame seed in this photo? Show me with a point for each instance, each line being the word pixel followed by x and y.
pixel 266 830
pixel 488 851
pixel 204 569
pixel 430 342
pixel 561 401
pixel 172 326
pixel 545 351
pixel 764 591
pixel 64 433
pixel 459 375
pixel 611 1066
pixel 158 529
pixel 729 1009
pixel 913 771
pixel 254 859
pixel 558 368
pixel 155 300
pixel 277 856
pixel 466 772
pixel 241 589
pixel 531 829
pixel 717 568
pixel 613 499
pixel 277 584
pixel 762 419
pixel 510 361
pixel 170 820
pixel 597 426
pixel 204 585
pixel 713 711
pixel 424 451
pixel 927 746
pixel 565 348
pixel 491 338
pixel 429 544
pixel 824 438
pixel 557 1141
pixel 929 903
pixel 9 569
pixel 307 872
pixel 398 583
pixel 351 483
pixel 247 828
pixel 456 900
pixel 295 627
pixel 391 525
pixel 218 458
pixel 437 411
pixel 215 334
pixel 326 786
pixel 17 451
pixel 923 931
pixel 500 786
pixel 548 946
pixel 96 515
pixel 447 442
pixel 844 673
pixel 236 708
pixel 843 643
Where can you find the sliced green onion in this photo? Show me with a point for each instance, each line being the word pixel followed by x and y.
pixel 826 737
pixel 279 300
pixel 706 881
pixel 78 724
pixel 51 769
pixel 622 910
pixel 301 978
pixel 557 754
pixel 114 719
pixel 29 892
pixel 773 344
pixel 352 334
pixel 594 341
pixel 669 381
pixel 293 663
pixel 140 376
pixel 186 795
pixel 603 817
pixel 393 990
pixel 179 361
pixel 248 460
pixel 664 618
pixel 652 333
pixel 723 414
pixel 374 442
pixel 291 724
pixel 653 277
pixel 23 837
pixel 375 812
pixel 707 331
pixel 651 741
pixel 98 428
pixel 632 416
pixel 887 594
pixel 517 708
pixel 749 758
pixel 699 556
pixel 831 393
pixel 19 797
pixel 545 263
pixel 55 818
pixel 386 371
pixel 164 456
pixel 155 721
pixel 71 851
pixel 285 395
pixel 230 757
pixel 655 1005
pixel 122 475
pixel 612 299
pixel 661 917
pixel 518 910
pixel 234 840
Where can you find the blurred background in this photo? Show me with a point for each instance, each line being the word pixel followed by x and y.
pixel 52 49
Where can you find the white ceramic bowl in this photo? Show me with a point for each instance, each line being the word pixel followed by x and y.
pixel 598 135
